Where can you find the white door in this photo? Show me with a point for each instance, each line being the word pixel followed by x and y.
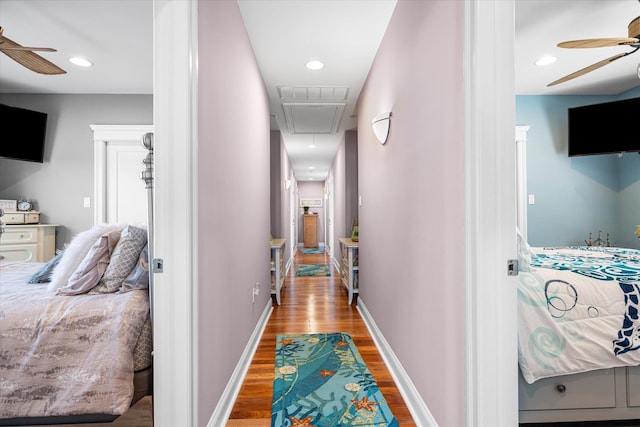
pixel 125 191
pixel 119 194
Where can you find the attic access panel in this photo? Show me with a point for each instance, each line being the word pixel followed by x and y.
pixel 313 117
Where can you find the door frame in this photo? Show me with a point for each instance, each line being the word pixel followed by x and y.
pixel 175 86
pixel 103 137
pixel 491 316
pixel 490 214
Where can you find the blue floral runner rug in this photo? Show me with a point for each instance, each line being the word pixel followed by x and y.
pixel 312 251
pixel 313 270
pixel 322 381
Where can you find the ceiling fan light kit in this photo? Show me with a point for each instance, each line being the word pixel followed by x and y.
pixel 633 40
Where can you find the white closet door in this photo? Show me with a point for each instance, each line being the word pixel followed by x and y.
pixel 119 193
pixel 125 191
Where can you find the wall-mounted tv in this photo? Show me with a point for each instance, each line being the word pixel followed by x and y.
pixel 610 127
pixel 23 133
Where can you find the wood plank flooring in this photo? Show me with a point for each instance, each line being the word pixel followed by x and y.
pixel 310 305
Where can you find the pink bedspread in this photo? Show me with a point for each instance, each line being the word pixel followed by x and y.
pixel 65 355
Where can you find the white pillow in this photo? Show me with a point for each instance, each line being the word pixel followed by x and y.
pixel 75 253
pixel 92 266
pixel 525 253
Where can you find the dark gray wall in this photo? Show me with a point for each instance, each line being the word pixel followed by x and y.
pixel 59 185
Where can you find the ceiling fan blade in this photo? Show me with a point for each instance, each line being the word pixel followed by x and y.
pixel 37 49
pixel 605 42
pixel 33 61
pixel 28 59
pixel 588 69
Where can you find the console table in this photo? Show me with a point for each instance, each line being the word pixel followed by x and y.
pixel 349 267
pixel 277 268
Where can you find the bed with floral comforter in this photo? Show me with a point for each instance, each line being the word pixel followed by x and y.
pixel 65 355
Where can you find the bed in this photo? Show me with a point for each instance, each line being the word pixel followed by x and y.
pixel 579 333
pixel 76 343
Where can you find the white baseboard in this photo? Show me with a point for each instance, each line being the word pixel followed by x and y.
pixel 336 263
pixel 224 407
pixel 419 410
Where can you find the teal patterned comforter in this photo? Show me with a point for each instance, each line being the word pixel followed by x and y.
pixel 578 311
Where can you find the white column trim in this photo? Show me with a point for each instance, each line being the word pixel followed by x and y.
pixel 521 179
pixel 490 303
pixel 175 212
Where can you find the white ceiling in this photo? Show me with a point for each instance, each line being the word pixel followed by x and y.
pixel 117 35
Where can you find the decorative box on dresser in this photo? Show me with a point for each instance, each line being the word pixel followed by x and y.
pixel 349 267
pixel 277 268
pixel 27 242
pixel 310 231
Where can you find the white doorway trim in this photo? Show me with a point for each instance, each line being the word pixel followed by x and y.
pixel 521 179
pixel 103 135
pixel 175 397
pixel 490 217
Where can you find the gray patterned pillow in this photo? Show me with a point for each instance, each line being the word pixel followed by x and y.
pixel 124 258
pixel 139 276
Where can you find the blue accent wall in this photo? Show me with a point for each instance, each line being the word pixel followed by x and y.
pixel 576 196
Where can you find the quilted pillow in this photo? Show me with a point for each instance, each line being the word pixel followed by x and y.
pixel 139 276
pixel 93 266
pixel 44 274
pixel 75 253
pixel 124 258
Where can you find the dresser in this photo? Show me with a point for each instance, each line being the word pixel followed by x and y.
pixel 310 231
pixel 23 242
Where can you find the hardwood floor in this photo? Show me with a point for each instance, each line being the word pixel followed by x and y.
pixel 310 305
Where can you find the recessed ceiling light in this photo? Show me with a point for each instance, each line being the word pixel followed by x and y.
pixel 313 145
pixel 81 62
pixel 545 60
pixel 311 168
pixel 314 65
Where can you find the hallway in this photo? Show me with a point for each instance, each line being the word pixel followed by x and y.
pixel 310 305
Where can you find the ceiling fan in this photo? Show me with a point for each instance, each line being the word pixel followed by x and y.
pixel 633 41
pixel 26 56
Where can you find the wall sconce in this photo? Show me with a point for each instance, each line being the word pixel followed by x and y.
pixel 380 125
pixel 287 184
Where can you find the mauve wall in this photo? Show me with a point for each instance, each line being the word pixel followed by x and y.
pixel 339 178
pixel 285 208
pixel 277 187
pixel 351 180
pixel 412 214
pixel 233 201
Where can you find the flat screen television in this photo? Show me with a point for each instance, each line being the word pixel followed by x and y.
pixel 23 133
pixel 610 127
